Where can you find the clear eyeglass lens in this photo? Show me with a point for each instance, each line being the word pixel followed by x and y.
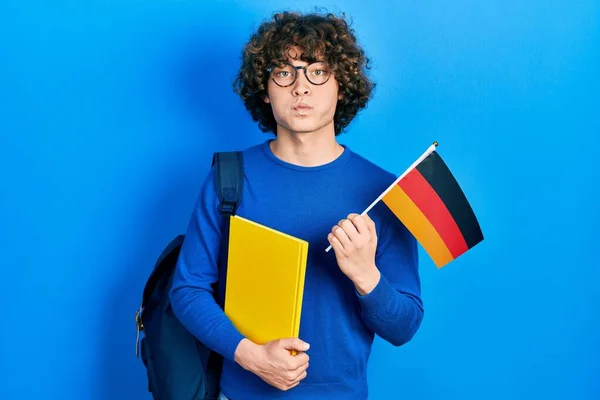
pixel 317 73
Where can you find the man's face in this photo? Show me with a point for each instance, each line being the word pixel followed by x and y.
pixel 303 107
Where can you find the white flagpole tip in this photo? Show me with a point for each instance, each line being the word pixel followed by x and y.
pixel 435 143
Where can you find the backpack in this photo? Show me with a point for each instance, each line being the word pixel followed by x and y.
pixel 178 366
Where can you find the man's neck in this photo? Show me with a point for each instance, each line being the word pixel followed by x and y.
pixel 306 149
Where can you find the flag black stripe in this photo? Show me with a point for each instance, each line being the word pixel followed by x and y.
pixel 437 174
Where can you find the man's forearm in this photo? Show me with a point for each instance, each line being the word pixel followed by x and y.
pixel 392 315
pixel 198 312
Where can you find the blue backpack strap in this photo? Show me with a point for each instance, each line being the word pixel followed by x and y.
pixel 229 184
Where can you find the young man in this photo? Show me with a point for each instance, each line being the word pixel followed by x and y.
pixel 302 78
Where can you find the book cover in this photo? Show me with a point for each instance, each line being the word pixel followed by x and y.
pixel 265 281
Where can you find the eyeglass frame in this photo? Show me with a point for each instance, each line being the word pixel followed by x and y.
pixel 304 67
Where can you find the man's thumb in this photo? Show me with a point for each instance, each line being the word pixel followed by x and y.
pixel 294 344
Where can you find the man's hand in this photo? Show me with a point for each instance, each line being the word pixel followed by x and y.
pixel 354 241
pixel 273 363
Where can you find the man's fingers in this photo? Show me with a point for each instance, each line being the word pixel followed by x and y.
pixel 298 361
pixel 335 243
pixel 295 373
pixel 300 376
pixel 294 344
pixel 370 224
pixel 341 235
pixel 360 223
pixel 291 386
pixel 349 229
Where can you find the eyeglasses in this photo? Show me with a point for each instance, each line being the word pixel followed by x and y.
pixel 286 74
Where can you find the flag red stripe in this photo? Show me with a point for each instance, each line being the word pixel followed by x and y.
pixel 417 223
pixel 434 209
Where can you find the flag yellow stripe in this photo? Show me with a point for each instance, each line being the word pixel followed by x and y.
pixel 414 220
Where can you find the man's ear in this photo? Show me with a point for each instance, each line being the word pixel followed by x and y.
pixel 266 99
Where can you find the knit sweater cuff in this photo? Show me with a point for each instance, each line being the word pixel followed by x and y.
pixel 379 300
pixel 229 342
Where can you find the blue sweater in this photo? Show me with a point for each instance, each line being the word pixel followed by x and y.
pixel 337 322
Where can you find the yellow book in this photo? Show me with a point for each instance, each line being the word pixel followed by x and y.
pixel 265 281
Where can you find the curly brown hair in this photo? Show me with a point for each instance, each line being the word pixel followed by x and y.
pixel 321 37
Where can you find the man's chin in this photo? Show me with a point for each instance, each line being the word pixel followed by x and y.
pixel 303 128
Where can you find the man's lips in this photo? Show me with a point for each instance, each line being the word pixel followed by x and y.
pixel 302 107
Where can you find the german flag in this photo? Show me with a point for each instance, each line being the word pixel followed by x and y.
pixel 430 203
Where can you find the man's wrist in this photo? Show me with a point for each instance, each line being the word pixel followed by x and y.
pixel 245 353
pixel 365 283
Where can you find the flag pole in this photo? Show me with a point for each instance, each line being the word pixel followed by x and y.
pixel 427 152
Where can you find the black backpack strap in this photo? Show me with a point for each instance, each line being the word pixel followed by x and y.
pixel 229 183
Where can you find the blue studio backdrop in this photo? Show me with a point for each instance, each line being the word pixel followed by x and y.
pixel 110 111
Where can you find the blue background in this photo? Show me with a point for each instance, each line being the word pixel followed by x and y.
pixel 110 110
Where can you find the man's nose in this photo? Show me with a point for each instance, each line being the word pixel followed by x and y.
pixel 302 86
